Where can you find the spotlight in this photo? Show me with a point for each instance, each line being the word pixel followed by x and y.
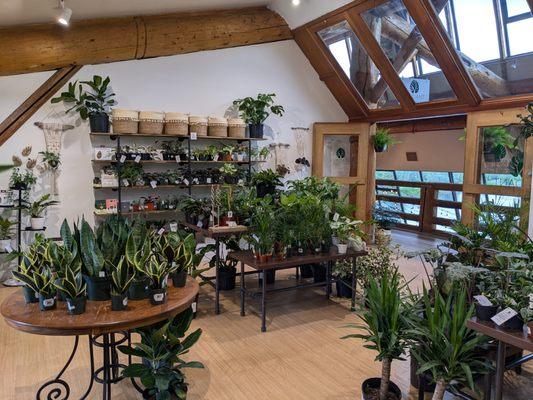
pixel 64 17
pixel 296 2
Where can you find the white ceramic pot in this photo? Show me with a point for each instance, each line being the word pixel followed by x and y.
pixel 5 244
pixel 342 248
pixel 37 223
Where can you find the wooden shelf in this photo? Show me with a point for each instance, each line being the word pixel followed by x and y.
pixel 173 136
pixel 175 162
pixel 105 214
pixel 164 186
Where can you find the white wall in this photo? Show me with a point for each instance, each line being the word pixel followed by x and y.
pixel 203 83
pixel 307 11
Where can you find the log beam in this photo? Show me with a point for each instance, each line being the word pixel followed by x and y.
pixel 43 47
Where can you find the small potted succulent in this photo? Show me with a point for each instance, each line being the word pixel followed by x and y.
pixel 158 272
pixel 73 289
pixel 37 210
pixel 382 140
pixel 6 233
pixel 256 111
pixel 122 277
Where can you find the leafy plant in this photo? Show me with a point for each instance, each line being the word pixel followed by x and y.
pixel 262 236
pixel 381 258
pixel 383 138
pixel 60 258
pixel 266 177
pixel 122 276
pixel 51 159
pixel 229 169
pixel 6 228
pixel 37 208
pixel 256 111
pixel 345 228
pixel 91 254
pixel 24 179
pixel 72 285
pixel 158 272
pixel 94 100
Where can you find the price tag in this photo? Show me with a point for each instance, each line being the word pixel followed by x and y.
pixel 49 302
pixel 211 219
pixel 70 306
pixel 161 231
pixel 230 214
pixel 178 158
pixel 241 182
pixel 215 158
pixel 503 316
pixel 336 217
pixel 125 302
pixel 194 135
pixel 482 300
pixel 173 227
pixel 125 182
pixel 208 180
pixel 159 297
pixel 153 184
pixel 101 274
pixel 195 181
pixel 186 182
pixel 193 306
pixel 138 159
pixel 122 158
pixel 200 224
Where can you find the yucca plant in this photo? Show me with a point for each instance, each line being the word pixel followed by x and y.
pixel 442 343
pixel 385 327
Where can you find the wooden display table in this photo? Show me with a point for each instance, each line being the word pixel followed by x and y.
pixel 503 336
pixel 247 258
pixel 101 325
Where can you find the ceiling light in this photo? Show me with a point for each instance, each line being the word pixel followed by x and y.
pixel 296 2
pixel 64 17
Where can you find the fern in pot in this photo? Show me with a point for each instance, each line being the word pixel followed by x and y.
pixel 6 233
pixel 74 290
pixel 382 140
pixel 37 209
pixel 122 277
pixel 256 111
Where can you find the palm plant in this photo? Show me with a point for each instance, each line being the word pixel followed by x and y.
pixel 385 323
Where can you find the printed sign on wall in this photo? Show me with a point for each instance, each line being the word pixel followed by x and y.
pixel 419 89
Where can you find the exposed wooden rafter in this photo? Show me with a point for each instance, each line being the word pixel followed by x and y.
pixel 425 124
pixel 30 106
pixel 43 47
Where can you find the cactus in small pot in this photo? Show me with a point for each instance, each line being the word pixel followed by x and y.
pixel 122 276
pixel 73 289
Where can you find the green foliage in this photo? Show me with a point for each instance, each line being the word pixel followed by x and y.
pixel 111 237
pixel 122 276
pixel 51 159
pixel 383 138
pixel 93 260
pixel 262 235
pixel 158 272
pixel 516 164
pixel 229 169
pixel 37 208
pixel 6 228
pixel 380 259
pixel 24 179
pixel 255 111
pixel 71 284
pixel 39 280
pixel 345 228
pixel 88 97
pixel 60 258
pixel 266 177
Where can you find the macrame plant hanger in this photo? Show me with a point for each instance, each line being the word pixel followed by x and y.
pixel 300 149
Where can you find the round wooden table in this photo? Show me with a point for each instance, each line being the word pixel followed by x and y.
pixel 101 325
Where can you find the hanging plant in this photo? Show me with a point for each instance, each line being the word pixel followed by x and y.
pixel 382 140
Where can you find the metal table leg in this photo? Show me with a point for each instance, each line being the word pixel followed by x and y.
pixel 263 304
pixel 217 290
pixel 243 289
pixel 354 268
pixel 500 369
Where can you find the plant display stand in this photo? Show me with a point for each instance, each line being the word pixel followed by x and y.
pixel 247 258
pixel 104 328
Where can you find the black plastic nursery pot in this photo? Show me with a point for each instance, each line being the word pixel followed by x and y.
pixel 29 295
pixel 76 306
pixel 99 122
pixel 47 303
pixel 319 273
pixel 119 302
pixel 380 149
pixel 257 131
pixel 514 324
pixel 98 288
pixel 138 290
pixel 226 278
pixel 370 389
pixel 306 271
pixel 264 190
pixel 344 287
pixel 158 296
pixel 485 313
pixel 415 378
pixel 179 279
pixel 270 277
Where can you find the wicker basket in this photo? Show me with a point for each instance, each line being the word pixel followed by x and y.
pixel 176 124
pixel 237 128
pixel 218 127
pixel 151 123
pixel 125 121
pixel 198 125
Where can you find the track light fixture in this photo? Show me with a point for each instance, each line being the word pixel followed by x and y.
pixel 65 14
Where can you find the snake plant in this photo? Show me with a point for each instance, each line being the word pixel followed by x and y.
pixel 122 276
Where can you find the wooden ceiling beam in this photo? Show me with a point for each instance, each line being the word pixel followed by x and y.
pixel 425 125
pixel 30 106
pixel 43 47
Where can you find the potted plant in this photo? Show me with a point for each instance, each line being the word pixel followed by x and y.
pixel 343 229
pixel 42 281
pixel 73 289
pixel 50 159
pixel 22 181
pixel 161 348
pixel 262 236
pixel 122 277
pixel 25 274
pixel 382 139
pixel 496 141
pixel 442 343
pixel 92 103
pixel 342 270
pixel 37 209
pixel 6 233
pixel 266 182
pixel 256 111
pixel 385 328
pixel 158 272
pixel 226 153
pixel 229 171
pixel 178 253
pixel 138 252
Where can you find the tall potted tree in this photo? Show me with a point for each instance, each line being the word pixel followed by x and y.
pixel 385 327
pixel 256 111
pixel 92 103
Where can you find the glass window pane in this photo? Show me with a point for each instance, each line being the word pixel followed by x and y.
pixel 411 209
pixel 457 177
pixel 410 192
pixel 337 155
pixel 357 65
pixel 410 176
pixel 446 213
pixel 398 36
pixel 384 175
pixel 517 7
pixel 441 177
pixel 519 36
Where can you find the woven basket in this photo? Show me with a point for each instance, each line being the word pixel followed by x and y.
pixel 125 121
pixel 236 128
pixel 218 127
pixel 151 123
pixel 198 125
pixel 176 124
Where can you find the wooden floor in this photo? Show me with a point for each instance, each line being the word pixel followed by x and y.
pixel 301 357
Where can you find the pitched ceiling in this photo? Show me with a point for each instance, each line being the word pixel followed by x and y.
pixel 17 12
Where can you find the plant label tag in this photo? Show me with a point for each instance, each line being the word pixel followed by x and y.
pixel 36 294
pixel 122 158
pixel 186 182
pixel 48 302
pixel 125 182
pixel 195 181
pixel 208 180
pixel 215 158
pixel 70 306
pixel 232 224
pixel 8 249
pixel 482 300
pixel 178 158
pixel 200 224
pixel 159 296
pixel 261 275
pixel 173 227
pixel 193 306
pixel 138 159
pixel 211 219
pixel 230 214
pixel 241 182
pixel 125 302
pixel 503 316
pixel 153 184
pixel 101 274
pixel 336 217
pixel 194 135
pixel 161 231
